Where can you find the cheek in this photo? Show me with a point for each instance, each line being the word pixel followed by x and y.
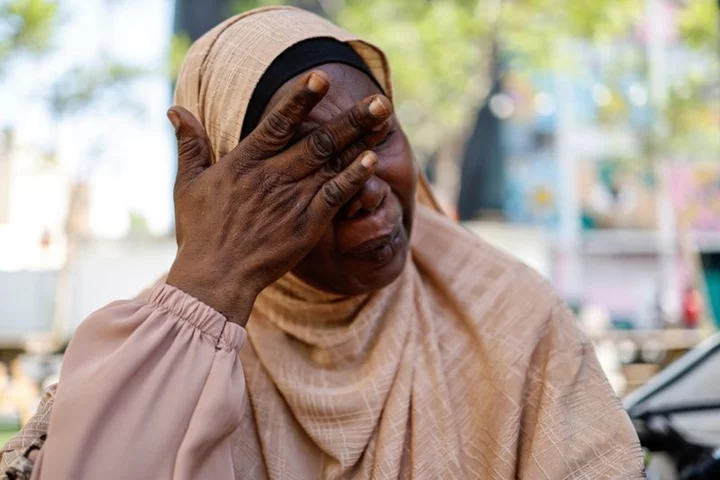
pixel 320 262
pixel 324 250
pixel 398 168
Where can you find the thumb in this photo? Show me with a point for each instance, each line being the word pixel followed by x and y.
pixel 194 154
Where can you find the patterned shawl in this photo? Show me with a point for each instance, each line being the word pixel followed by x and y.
pixel 467 366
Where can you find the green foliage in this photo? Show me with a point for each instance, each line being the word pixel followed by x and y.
pixel 533 29
pixel 699 24
pixel 440 50
pixel 239 6
pixel 693 118
pixel 6 435
pixel 179 45
pixel 438 53
pixel 84 85
pixel 138 225
pixel 26 27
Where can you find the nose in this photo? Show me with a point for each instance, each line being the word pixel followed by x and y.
pixel 368 199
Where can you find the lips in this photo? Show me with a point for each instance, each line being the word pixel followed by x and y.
pixel 375 236
pixel 375 245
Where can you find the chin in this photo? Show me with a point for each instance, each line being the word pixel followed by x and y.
pixel 373 274
pixel 357 274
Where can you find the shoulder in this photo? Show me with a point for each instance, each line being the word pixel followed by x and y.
pixel 495 292
pixel 475 272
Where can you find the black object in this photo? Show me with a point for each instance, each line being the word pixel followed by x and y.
pixel 684 453
pixel 295 60
pixel 482 175
pixel 658 407
pixel 193 18
pixel 709 470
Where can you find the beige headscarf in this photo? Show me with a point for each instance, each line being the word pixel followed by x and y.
pixel 467 366
pixel 216 84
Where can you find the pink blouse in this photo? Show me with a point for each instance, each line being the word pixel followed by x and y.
pixel 173 352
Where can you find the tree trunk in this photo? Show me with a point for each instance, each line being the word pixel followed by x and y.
pixel 193 18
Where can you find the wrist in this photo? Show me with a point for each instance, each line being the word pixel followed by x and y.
pixel 225 294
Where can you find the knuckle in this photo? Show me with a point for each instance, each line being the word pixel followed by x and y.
pixel 266 184
pixel 240 167
pixel 357 181
pixel 301 223
pixel 283 177
pixel 337 164
pixel 331 168
pixel 191 147
pixel 332 194
pixel 256 149
pixel 278 125
pixel 297 105
pixel 321 143
pixel 356 119
pixel 267 145
pixel 351 153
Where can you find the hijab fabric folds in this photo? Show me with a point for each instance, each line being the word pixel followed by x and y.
pixel 467 366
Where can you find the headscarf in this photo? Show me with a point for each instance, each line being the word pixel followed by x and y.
pixel 295 60
pixel 466 366
pixel 216 84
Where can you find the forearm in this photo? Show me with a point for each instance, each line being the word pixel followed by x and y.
pixel 154 387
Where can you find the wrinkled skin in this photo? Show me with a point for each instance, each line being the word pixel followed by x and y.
pixel 384 206
pixel 247 220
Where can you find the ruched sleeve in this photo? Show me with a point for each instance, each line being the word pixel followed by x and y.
pixel 148 389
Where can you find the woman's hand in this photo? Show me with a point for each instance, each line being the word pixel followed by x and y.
pixel 245 221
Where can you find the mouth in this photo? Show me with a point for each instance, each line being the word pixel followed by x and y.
pixel 378 248
pixel 378 236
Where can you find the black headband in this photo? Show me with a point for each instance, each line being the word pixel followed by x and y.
pixel 297 59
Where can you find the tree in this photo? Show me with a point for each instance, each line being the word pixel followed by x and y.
pixel 441 50
pixel 192 18
pixel 26 28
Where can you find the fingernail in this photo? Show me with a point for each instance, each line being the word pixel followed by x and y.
pixel 174 119
pixel 368 160
pixel 380 127
pixel 378 108
pixel 316 83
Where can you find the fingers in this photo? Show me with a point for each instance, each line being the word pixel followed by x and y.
pixel 337 191
pixel 378 133
pixel 336 164
pixel 331 139
pixel 194 154
pixel 279 126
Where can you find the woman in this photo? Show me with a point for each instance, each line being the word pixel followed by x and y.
pixel 368 354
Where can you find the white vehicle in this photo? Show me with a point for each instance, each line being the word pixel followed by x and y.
pixel 677 416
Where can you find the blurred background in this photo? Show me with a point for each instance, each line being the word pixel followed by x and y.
pixel 581 136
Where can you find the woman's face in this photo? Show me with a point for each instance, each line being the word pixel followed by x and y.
pixel 366 246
